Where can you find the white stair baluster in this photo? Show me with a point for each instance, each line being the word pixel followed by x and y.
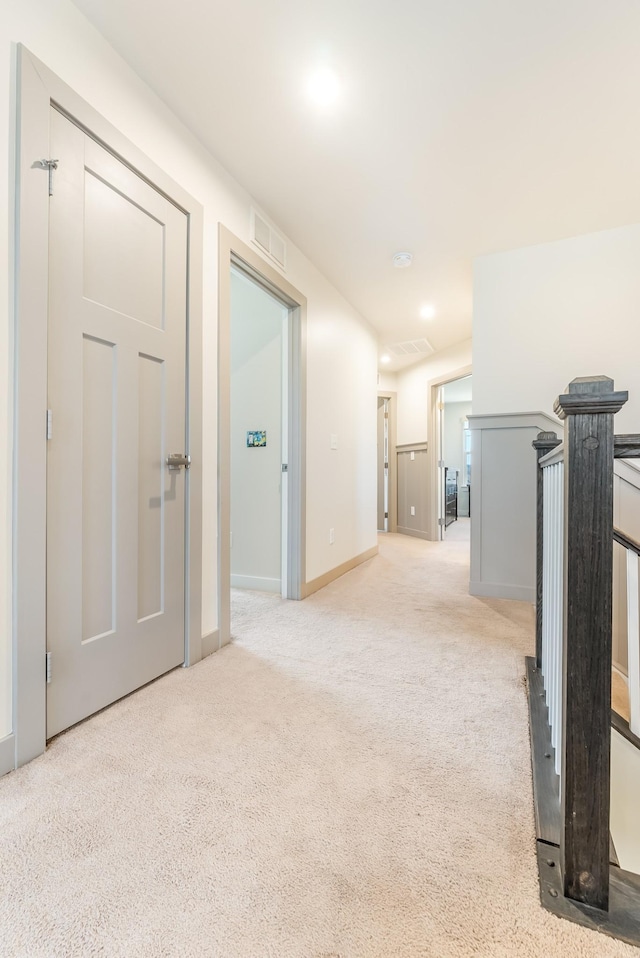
pixel 546 576
pixel 633 640
pixel 556 602
pixel 551 698
pixel 560 617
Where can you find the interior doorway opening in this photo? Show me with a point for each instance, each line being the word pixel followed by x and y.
pixel 454 406
pixel 241 265
pixel 383 464
pixel 259 436
pixel 386 468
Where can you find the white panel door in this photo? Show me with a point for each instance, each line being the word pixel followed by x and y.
pixel 116 381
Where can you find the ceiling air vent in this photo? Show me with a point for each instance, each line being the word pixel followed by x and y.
pixel 414 347
pixel 266 238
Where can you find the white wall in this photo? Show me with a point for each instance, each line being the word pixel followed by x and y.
pixel 543 316
pixel 413 390
pixel 625 788
pixel 546 314
pixel 341 401
pixel 387 382
pixel 258 327
pixel 341 488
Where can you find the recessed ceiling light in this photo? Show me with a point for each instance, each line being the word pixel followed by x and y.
pixel 402 260
pixel 428 311
pixel 323 87
pixel 385 359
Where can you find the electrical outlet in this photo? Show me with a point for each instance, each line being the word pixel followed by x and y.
pixel 413 510
pixel 413 456
pixel 332 536
pixel 334 440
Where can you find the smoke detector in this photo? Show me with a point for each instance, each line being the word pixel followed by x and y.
pixel 402 260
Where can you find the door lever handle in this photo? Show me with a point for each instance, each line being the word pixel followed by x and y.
pixel 175 461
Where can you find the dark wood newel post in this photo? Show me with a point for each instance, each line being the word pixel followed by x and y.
pixel 588 408
pixel 543 443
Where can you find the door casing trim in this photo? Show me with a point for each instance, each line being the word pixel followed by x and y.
pixel 232 251
pixel 37 89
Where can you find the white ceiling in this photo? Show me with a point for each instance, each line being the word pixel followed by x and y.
pixel 465 127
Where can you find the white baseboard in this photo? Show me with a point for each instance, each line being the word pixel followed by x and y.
pixel 257 583
pixel 500 590
pixel 7 754
pixel 210 643
pixel 319 583
pixel 416 533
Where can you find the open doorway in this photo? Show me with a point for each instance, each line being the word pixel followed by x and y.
pixel 386 463
pixel 259 435
pixel 454 458
pixel 261 428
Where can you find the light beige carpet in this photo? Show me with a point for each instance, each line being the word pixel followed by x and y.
pixel 350 778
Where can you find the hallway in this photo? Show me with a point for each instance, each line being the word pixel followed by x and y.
pixel 349 779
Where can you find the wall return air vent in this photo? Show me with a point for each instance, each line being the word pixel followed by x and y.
pixel 266 239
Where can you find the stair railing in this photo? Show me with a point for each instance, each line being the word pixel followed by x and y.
pixel 574 629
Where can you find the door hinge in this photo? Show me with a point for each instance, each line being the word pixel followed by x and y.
pixel 48 666
pixel 285 467
pixel 49 423
pixel 176 461
pixel 49 165
pixel 441 463
pixel 441 522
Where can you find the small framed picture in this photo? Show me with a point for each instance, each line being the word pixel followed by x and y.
pixel 256 437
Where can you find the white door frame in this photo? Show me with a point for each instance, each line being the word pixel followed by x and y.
pixel 37 90
pixel 232 251
pixel 433 451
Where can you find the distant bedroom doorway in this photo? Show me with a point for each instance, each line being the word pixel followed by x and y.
pixel 387 467
pixel 454 458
